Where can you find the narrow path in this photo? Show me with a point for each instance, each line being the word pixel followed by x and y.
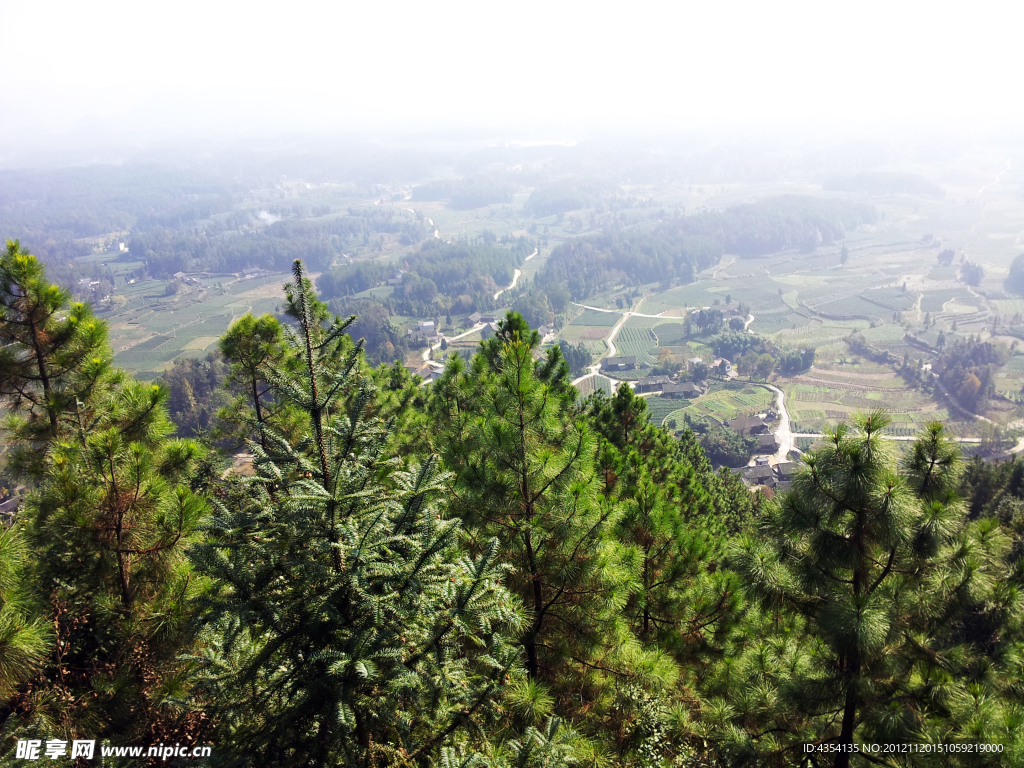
pixel 720 267
pixel 956 403
pixel 449 339
pixel 610 339
pixel 996 180
pixel 515 276
pixel 510 286
pixel 626 312
pixel 784 434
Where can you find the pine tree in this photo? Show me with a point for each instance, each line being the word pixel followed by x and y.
pixel 684 603
pixel 111 511
pixel 52 352
pixel 866 580
pixel 349 627
pixel 114 513
pixel 525 474
pixel 25 638
pixel 250 346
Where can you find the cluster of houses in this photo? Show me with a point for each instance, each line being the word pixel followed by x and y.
pixel 778 477
pixel 429 370
pixel 669 388
pixel 758 427
pixel 665 385
pixel 629 363
pixel 425 333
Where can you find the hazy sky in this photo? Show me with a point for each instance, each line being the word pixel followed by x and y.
pixel 217 66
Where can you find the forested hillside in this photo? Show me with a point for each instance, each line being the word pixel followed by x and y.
pixel 482 571
pixel 675 249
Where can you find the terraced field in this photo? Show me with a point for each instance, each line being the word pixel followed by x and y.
pixel 848 306
pixel 637 341
pixel 186 324
pixel 590 318
pixel 725 403
pixel 775 321
pixel 934 301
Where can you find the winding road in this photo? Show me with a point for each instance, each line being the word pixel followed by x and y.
pixel 784 433
pixel 610 339
pixel 449 339
pixel 478 326
pixel 515 276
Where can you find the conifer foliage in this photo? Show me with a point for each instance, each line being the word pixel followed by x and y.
pixel 524 473
pixel 113 504
pixel 350 628
pixel 868 580
pixel 52 351
pixel 483 572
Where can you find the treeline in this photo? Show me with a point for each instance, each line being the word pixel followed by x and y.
pixel 569 195
pixel 967 368
pixel 481 572
pixel 441 280
pixel 587 265
pixel 37 205
pixel 674 250
pixel 320 241
pixel 1015 280
pixel 459 276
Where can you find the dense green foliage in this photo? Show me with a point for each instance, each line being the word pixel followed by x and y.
pixel 675 249
pixel 483 571
pixel 383 339
pixel 722 445
pixel 166 251
pixel 886 603
pixel 340 597
pixel 195 389
pixel 577 357
pixel 460 277
pixel 966 369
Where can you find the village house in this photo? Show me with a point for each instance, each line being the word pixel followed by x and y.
pixel 756 476
pixel 652 384
pixel 749 425
pixel 788 469
pixel 625 363
pixel 687 389
pixel 488 331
